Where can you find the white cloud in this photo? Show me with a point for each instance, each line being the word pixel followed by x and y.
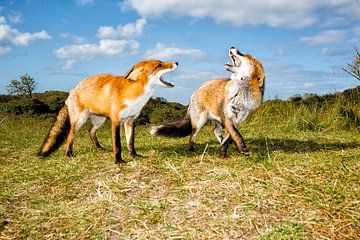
pixel 24 39
pixel 274 13
pixel 324 37
pixel 163 52
pixel 6 33
pixel 106 47
pixel 114 42
pixel 84 2
pixel 11 36
pixel 128 30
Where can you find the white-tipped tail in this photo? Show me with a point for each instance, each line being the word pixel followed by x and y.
pixel 154 130
pixel 177 128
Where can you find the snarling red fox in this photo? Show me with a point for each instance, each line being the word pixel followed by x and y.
pixel 226 101
pixel 119 98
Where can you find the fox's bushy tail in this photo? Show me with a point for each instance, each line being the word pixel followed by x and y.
pixel 178 128
pixel 57 134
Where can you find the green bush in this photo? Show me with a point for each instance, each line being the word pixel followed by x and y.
pixel 54 99
pixel 25 106
pixel 8 98
pixel 307 113
pixel 159 110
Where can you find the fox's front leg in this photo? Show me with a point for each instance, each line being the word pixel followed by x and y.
pixel 115 129
pixel 237 138
pixel 129 126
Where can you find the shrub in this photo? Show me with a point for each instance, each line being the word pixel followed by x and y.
pixel 159 110
pixel 25 106
pixel 54 99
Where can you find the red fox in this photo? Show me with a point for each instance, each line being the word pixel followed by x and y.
pixel 226 101
pixel 119 98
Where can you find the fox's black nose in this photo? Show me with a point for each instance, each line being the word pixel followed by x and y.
pixel 176 63
pixel 232 48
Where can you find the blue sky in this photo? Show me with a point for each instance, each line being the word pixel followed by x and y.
pixel 303 45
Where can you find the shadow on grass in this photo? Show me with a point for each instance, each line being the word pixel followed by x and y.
pixel 264 145
pixel 261 146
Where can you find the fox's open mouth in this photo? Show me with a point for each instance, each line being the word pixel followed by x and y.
pixel 235 59
pixel 167 84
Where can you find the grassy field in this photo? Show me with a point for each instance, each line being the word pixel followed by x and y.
pixel 301 182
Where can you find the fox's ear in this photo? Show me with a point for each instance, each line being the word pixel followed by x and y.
pixel 133 74
pixel 261 81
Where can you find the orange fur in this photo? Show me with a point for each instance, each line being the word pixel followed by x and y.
pixel 119 98
pixel 226 101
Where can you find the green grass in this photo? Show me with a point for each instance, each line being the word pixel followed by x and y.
pixel 301 182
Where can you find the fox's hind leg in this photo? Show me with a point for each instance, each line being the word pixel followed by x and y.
pixel 76 122
pixel 217 131
pixel 197 123
pixel 97 122
pixel 224 144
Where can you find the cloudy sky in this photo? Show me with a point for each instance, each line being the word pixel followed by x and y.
pixel 303 45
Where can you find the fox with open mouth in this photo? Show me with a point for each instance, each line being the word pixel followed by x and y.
pixel 118 98
pixel 226 101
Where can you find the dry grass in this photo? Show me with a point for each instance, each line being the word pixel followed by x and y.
pixel 297 185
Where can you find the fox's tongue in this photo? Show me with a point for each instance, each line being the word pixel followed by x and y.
pixel 167 84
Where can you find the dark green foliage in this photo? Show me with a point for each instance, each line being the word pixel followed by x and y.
pixel 312 112
pixel 352 95
pixel 156 110
pixel 159 110
pixel 24 106
pixel 8 98
pixel 296 98
pixel 166 112
pixel 40 103
pixel 54 99
pixel 305 113
pixel 351 117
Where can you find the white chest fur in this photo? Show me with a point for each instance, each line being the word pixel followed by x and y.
pixel 135 106
pixel 240 102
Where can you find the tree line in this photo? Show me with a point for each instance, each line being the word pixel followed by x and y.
pixel 22 99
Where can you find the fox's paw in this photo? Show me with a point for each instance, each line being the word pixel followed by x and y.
pixel 245 151
pixel 69 153
pixel 135 155
pixel 191 148
pixel 119 161
pixel 223 156
pixel 100 148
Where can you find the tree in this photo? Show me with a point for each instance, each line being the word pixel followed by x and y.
pixel 353 68
pixel 26 86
